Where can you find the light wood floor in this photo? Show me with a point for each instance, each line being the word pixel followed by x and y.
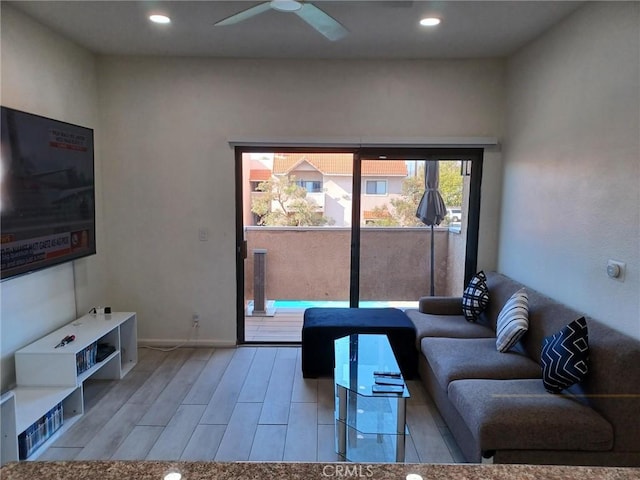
pixel 249 403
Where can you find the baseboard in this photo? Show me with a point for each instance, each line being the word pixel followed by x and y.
pixel 171 342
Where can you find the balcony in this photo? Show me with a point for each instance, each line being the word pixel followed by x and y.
pixel 317 198
pixel 313 264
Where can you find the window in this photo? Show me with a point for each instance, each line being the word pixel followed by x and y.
pixel 311 186
pixel 376 187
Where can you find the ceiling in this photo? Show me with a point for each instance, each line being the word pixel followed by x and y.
pixel 377 29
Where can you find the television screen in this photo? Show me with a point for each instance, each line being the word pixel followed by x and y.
pixel 47 194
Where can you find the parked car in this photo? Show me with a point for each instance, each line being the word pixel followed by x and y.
pixel 454 214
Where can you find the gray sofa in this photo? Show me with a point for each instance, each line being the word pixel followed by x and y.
pixel 495 403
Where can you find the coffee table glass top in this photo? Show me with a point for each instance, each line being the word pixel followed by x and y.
pixel 358 357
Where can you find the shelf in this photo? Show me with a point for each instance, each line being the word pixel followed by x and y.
pixel 68 423
pixel 369 447
pixel 33 402
pixel 9 440
pixel 377 414
pixel 99 366
pixel 118 329
pixel 47 376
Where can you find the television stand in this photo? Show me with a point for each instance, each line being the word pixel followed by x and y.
pixel 50 380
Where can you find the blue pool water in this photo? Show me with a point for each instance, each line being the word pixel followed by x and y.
pixel 301 304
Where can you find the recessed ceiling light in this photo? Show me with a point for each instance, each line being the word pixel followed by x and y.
pixel 159 19
pixel 430 22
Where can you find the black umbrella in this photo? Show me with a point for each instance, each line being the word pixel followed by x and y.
pixel 431 210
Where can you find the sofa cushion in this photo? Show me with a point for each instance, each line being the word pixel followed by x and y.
pixel 475 297
pixel 461 358
pixel 513 321
pixel 452 326
pixel 565 357
pixel 440 305
pixel 519 414
pixel 546 316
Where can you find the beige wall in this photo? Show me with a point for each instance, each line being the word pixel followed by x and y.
pixel 572 163
pixel 169 170
pixel 43 73
pixel 314 263
pixel 162 130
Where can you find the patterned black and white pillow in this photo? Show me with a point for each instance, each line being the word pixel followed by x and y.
pixel 475 297
pixel 513 321
pixel 565 357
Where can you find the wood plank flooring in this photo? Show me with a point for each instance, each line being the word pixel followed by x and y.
pixel 249 403
pixel 284 326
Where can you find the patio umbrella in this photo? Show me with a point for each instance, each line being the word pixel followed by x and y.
pixel 431 210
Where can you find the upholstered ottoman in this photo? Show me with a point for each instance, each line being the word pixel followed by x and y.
pixel 323 325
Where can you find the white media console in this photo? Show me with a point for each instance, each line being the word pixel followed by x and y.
pixel 47 376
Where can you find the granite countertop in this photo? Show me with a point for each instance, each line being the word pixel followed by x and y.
pixel 143 470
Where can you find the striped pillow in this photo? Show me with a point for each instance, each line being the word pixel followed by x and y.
pixel 513 321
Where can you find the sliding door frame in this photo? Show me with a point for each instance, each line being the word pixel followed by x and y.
pixel 474 155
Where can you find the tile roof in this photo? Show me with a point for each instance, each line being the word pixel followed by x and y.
pixel 259 175
pixel 338 164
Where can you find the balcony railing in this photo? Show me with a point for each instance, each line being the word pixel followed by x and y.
pixel 313 263
pixel 317 198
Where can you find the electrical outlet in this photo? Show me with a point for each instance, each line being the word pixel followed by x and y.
pixel 203 234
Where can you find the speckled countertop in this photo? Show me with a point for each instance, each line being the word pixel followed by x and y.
pixel 107 470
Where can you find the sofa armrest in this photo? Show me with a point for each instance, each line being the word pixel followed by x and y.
pixel 440 305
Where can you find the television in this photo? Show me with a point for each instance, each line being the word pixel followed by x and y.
pixel 47 192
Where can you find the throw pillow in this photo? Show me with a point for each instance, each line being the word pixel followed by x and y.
pixel 475 297
pixel 565 357
pixel 513 321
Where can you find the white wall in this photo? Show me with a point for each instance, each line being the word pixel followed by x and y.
pixel 44 74
pixel 571 196
pixel 168 169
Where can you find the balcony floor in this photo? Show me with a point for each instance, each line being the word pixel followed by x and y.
pixel 284 326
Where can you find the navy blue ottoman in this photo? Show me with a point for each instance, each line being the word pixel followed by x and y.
pixel 323 325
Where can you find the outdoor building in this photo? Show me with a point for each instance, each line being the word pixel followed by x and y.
pixel 327 180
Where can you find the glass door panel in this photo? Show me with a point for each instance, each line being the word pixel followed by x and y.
pixel 395 246
pixel 297 228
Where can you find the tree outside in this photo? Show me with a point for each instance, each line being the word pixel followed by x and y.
pixel 450 183
pixel 292 207
pixel 403 211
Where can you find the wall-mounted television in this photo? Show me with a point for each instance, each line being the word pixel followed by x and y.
pixel 47 192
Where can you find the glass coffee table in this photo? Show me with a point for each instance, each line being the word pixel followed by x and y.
pixel 370 411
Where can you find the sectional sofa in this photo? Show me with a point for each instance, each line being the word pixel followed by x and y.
pixel 495 403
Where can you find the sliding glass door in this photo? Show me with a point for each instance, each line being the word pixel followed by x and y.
pixel 296 225
pixel 399 255
pixel 321 227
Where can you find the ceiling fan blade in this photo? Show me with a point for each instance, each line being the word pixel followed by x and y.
pixel 322 22
pixel 243 15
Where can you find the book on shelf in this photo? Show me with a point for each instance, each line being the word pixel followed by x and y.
pixel 86 358
pixel 39 432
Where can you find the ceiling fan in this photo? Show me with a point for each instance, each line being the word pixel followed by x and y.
pixel 318 19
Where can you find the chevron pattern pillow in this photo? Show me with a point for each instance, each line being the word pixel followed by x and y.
pixel 513 321
pixel 475 297
pixel 565 357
